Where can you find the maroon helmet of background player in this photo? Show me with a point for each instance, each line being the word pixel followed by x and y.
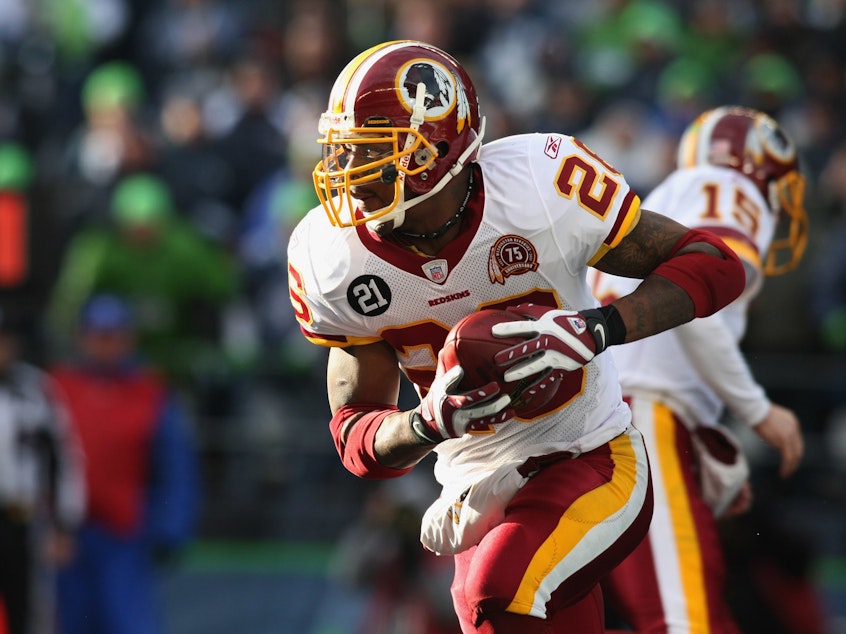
pixel 752 143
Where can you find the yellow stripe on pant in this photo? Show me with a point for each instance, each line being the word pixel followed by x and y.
pixel 596 515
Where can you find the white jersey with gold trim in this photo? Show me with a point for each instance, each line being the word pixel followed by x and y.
pixel 543 208
pixel 726 203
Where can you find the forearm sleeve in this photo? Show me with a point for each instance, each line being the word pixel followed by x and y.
pixel 711 348
pixel 711 282
pixel 357 450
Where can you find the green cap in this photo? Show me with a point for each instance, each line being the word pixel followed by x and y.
pixel 652 21
pixel 15 166
pixel 684 78
pixel 141 199
pixel 114 84
pixel 773 73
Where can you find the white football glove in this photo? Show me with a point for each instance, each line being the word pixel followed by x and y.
pixel 446 413
pixel 557 339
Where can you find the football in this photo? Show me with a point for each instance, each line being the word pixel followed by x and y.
pixel 471 344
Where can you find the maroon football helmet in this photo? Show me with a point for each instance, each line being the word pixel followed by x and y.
pixel 402 112
pixel 753 143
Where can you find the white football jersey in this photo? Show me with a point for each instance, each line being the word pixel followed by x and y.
pixel 726 203
pixel 544 208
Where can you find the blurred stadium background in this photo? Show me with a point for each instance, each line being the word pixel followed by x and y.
pixel 220 100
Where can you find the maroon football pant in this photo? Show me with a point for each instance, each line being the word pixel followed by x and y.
pixel 674 580
pixel 570 524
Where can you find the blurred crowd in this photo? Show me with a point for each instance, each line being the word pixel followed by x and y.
pixel 161 151
pixel 186 128
pixel 216 102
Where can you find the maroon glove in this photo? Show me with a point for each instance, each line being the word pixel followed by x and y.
pixel 446 413
pixel 558 339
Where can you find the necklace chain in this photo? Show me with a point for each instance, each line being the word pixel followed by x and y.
pixel 437 233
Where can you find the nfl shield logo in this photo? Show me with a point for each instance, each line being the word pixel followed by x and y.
pixel 436 270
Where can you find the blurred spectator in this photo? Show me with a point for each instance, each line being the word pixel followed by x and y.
pixel 311 54
pixel 28 240
pixel 826 280
pixel 816 126
pixel 28 74
pixel 114 139
pixel 178 282
pixel 770 82
pixel 653 34
pixel 118 136
pixel 685 88
pixel 141 477
pixel 253 141
pixel 193 165
pixel 312 42
pixel 406 586
pixel 81 29
pixel 715 32
pixel 424 21
pixel 189 36
pixel 114 101
pixel 627 133
pixel 624 49
pixel 42 495
pixel 510 59
pixel 272 211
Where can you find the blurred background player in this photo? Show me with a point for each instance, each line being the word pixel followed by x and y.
pixel 29 242
pixel 738 176
pixel 429 229
pixel 42 495
pixel 141 477
pixel 404 588
pixel 176 280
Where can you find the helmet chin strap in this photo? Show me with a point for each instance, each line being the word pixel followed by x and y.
pixel 383 225
pixel 387 223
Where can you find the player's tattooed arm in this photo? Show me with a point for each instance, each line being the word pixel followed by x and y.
pixel 658 304
pixel 647 245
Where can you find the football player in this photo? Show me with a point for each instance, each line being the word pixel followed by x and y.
pixel 421 225
pixel 737 176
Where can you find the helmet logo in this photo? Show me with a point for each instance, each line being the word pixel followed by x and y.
pixel 774 140
pixel 440 85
